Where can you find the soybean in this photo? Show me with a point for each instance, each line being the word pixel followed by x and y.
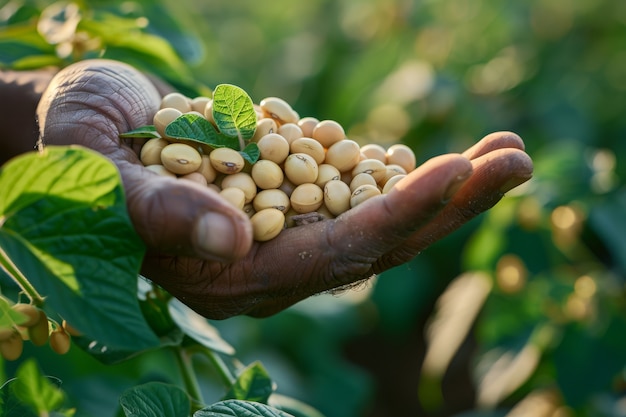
pixel 180 158
pixel 267 224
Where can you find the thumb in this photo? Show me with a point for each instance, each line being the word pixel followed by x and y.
pixel 182 217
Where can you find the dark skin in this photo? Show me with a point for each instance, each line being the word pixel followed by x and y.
pixel 200 248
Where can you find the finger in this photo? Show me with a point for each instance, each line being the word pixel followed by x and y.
pixel 181 217
pixel 495 173
pixel 91 103
pixel 325 255
pixel 494 141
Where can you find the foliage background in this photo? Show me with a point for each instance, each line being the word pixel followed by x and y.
pixel 545 267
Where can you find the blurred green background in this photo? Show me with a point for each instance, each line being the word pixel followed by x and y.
pixel 522 312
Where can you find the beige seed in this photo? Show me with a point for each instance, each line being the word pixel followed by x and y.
pixel 244 182
pixel 375 151
pixel 391 183
pixel 363 193
pixel 161 170
pixel 309 146
pixel 199 103
pixel 226 160
pixel 234 196
pixel 301 168
pixel 271 199
pixel 326 172
pixel 287 186
pixel 290 131
pixel 267 224
pixel 176 101
pixel 374 167
pixel 361 179
pixel 279 110
pixel 324 212
pixel 264 127
pixel 267 174
pixel 306 198
pixel 391 171
pixel 328 132
pixel 344 155
pixel 337 197
pixel 206 169
pixel 402 155
pixel 273 147
pixel 180 158
pixel 151 151
pixel 164 117
pixel 194 177
pixel 307 124
pixel 208 112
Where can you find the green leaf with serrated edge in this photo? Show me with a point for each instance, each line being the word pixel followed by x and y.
pixel 251 153
pixel 198 328
pixel 239 408
pixel 196 128
pixel 155 399
pixel 36 391
pixel 252 384
pixel 64 224
pixel 233 111
pixel 147 132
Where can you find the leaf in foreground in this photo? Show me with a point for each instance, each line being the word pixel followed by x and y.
pixel 64 224
pixel 198 328
pixel 233 111
pixel 238 408
pixel 30 393
pixel 252 384
pixel 194 128
pixel 155 399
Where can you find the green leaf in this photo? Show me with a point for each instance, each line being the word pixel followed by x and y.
pixel 64 224
pixel 251 153
pixel 197 129
pixel 8 316
pixel 22 41
pixel 293 406
pixel 198 328
pixel 34 390
pixel 587 362
pixel 238 408
pixel 252 384
pixel 234 112
pixel 155 399
pixel 147 132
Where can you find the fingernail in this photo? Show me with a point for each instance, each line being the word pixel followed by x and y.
pixel 456 185
pixel 216 235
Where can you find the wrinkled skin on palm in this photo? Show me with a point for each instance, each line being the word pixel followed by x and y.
pixel 200 248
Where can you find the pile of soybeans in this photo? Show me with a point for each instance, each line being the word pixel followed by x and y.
pixel 304 166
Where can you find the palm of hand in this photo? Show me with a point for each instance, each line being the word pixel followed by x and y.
pixel 201 248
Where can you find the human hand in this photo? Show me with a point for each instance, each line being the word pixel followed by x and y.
pixel 200 248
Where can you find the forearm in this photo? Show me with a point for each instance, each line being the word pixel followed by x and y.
pixel 20 92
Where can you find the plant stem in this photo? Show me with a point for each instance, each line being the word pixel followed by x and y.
pixel 183 357
pixel 13 271
pixel 222 369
